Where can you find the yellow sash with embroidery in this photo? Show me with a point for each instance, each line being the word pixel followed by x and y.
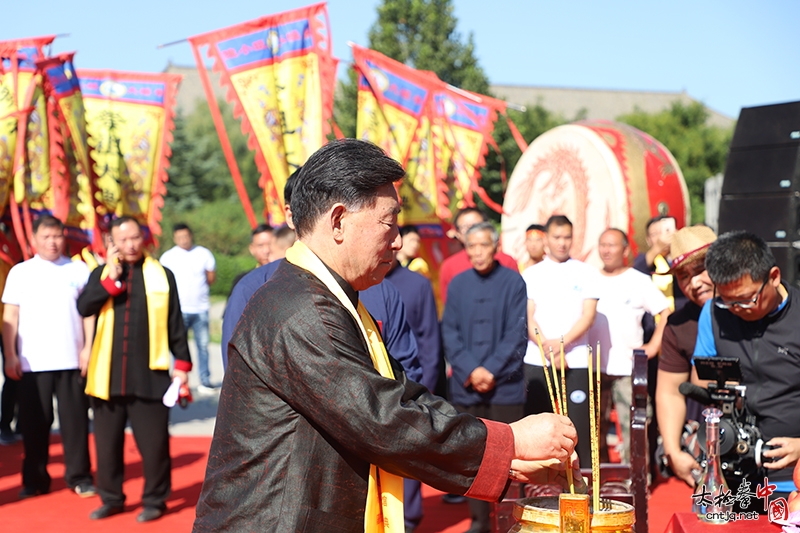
pixel 384 512
pixel 156 288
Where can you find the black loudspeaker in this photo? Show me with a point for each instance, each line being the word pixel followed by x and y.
pixel 761 187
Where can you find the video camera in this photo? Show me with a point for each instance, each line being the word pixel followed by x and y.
pixel 741 445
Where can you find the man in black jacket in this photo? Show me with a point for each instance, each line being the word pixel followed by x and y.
pixel 139 323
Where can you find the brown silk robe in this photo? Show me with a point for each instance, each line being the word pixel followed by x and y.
pixel 303 414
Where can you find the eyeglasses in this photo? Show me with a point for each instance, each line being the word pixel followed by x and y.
pixel 741 304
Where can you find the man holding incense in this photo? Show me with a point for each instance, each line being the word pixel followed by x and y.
pixel 317 424
pixel 484 329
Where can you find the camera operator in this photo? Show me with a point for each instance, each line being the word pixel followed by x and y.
pixel 755 317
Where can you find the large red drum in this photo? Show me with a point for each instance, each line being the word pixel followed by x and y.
pixel 599 174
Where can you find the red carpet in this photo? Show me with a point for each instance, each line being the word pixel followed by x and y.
pixel 63 511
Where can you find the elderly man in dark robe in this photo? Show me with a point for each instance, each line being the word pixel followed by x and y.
pixel 484 328
pixel 317 424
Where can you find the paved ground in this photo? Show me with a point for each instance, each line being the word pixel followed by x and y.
pixel 198 417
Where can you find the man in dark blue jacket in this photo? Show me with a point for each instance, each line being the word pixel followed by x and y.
pixel 484 328
pixel 382 301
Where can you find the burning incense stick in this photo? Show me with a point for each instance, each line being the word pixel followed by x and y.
pixel 546 375
pixel 565 410
pixel 556 386
pixel 563 381
pixel 595 441
pixel 599 408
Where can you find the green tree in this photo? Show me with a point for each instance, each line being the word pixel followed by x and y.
pixel 198 171
pixel 700 150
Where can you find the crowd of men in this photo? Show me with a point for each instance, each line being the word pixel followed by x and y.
pixel 336 344
pixel 117 341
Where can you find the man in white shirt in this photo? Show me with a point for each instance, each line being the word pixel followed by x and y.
pixel 562 302
pixel 47 346
pixel 625 295
pixel 195 270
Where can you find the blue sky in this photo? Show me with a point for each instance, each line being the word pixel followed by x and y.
pixel 728 54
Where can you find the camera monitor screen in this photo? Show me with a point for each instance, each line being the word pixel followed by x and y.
pixel 719 369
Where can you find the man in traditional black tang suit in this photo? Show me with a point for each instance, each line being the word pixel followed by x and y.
pixel 317 425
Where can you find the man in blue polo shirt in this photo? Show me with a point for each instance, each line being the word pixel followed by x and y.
pixel 754 316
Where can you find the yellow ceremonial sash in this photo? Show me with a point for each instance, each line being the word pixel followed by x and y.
pixel 157 290
pixel 87 257
pixel 420 266
pixel 384 512
pixel 663 279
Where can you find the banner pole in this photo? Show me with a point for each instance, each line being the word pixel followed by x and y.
pixel 223 138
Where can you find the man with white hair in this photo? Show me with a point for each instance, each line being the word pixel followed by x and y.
pixel 484 328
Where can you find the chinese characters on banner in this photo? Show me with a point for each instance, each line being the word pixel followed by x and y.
pixel 130 119
pixel 280 75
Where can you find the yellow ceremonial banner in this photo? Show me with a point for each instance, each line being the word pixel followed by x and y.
pixel 129 119
pixel 420 194
pixel 18 81
pixel 466 121
pixel 282 74
pixel 68 195
pixel 33 181
pixel 392 98
pixel 125 140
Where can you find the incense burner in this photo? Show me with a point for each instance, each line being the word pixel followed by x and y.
pixel 541 515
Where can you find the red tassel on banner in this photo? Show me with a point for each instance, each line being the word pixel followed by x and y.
pixel 516 134
pixel 19 229
pixel 503 175
pixel 336 131
pixel 223 137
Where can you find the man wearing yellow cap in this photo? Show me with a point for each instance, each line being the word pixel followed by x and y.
pixel 689 247
pixel 317 424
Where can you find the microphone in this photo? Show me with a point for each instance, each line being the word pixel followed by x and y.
pixel 698 394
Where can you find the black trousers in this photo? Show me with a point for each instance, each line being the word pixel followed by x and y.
pixel 8 403
pixel 478 509
pixel 149 421
pixel 36 392
pixel 577 404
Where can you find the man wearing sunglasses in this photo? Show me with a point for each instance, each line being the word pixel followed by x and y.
pixel 756 317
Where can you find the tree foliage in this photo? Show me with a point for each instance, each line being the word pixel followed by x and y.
pixel 701 150
pixel 198 171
